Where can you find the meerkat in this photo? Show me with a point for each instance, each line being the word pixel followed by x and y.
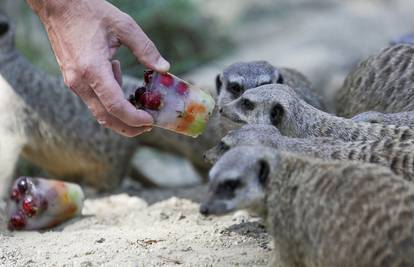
pixel 398 156
pixel 383 83
pixel 242 76
pixel 398 119
pixel 279 106
pixel 320 213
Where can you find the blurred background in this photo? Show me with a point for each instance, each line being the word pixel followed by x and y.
pixel 321 38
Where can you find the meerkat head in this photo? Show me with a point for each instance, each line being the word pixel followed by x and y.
pixel 273 104
pixel 238 181
pixel 369 116
pixel 247 135
pixel 241 76
pixel 7 30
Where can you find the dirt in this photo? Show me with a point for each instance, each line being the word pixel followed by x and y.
pixel 142 228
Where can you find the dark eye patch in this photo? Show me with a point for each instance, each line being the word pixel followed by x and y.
pixel 231 185
pixel 226 189
pixel 276 114
pixel 223 147
pixel 235 89
pixel 246 104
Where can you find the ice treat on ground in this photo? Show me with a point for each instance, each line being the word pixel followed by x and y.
pixel 173 103
pixel 37 203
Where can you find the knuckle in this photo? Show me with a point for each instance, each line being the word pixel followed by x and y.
pixel 84 70
pixel 149 48
pixel 71 80
pixel 115 108
pixel 128 22
pixel 98 113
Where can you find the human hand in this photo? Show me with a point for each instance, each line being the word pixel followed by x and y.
pixel 84 35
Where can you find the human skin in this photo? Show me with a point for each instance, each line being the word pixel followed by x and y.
pixel 84 35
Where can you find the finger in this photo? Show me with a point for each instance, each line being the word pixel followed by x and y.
pixel 106 119
pixel 101 79
pixel 131 35
pixel 116 68
pixel 125 130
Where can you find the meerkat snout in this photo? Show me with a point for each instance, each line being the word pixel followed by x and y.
pixel 237 181
pixel 204 209
pixel 266 104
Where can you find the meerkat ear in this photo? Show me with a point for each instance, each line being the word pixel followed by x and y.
pixel 219 83
pixel 4 27
pixel 279 78
pixel 276 114
pixel 264 171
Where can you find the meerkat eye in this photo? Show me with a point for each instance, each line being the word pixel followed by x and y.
pixel 280 79
pixel 264 171
pixel 276 114
pixel 218 84
pixel 223 147
pixel 246 104
pixel 4 28
pixel 235 89
pixel 231 185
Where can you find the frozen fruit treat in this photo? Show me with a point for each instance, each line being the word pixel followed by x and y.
pixel 37 203
pixel 173 103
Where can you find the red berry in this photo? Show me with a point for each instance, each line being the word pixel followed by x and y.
pixel 29 206
pixel 139 92
pixel 15 195
pixel 166 79
pixel 17 221
pixel 182 88
pixel 151 100
pixel 148 75
pixel 22 184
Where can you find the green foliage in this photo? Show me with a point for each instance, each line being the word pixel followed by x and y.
pixel 184 36
pixel 180 31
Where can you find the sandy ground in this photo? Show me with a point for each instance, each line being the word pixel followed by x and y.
pixel 158 228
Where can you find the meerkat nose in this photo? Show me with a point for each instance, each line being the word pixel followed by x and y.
pixel 204 209
pixel 221 110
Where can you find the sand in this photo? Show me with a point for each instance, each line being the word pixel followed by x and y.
pixel 160 227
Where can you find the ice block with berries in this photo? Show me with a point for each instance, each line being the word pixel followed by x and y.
pixel 37 203
pixel 173 103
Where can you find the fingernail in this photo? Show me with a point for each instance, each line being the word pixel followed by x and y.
pixel 145 118
pixel 162 65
